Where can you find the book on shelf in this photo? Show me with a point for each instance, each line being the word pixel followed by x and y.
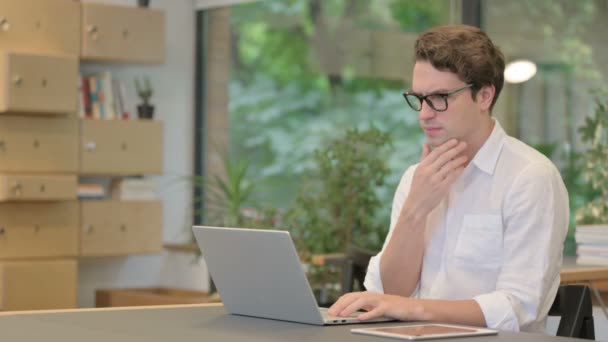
pixel 590 238
pixel 593 228
pixel 598 249
pixel 597 260
pixel 91 191
pixel 82 112
pixel 120 93
pixel 591 244
pixel 94 95
pixel 133 189
pixel 108 91
pixel 102 97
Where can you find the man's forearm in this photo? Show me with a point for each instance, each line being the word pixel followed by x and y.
pixel 401 261
pixel 466 312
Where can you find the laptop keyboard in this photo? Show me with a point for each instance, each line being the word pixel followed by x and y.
pixel 327 316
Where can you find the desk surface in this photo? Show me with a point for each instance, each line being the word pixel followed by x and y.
pixel 189 323
pixel 572 272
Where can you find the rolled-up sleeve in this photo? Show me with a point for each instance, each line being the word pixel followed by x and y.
pixel 536 223
pixel 373 278
pixel 498 311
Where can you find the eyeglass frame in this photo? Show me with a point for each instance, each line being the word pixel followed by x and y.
pixel 429 103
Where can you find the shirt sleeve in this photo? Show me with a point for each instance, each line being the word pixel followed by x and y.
pixel 535 214
pixel 373 280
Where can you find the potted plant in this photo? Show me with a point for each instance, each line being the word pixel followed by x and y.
pixel 339 205
pixel 144 90
pixel 230 200
pixel 592 218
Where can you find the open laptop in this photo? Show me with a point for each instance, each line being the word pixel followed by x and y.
pixel 258 273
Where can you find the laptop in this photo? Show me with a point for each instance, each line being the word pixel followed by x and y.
pixel 258 273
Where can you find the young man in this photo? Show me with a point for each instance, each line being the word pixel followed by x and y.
pixel 477 227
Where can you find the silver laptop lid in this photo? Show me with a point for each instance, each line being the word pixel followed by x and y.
pixel 258 273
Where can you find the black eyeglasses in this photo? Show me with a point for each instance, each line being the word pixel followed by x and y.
pixel 437 101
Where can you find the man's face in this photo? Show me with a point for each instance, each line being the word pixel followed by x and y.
pixel 461 120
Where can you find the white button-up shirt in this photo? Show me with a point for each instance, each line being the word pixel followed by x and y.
pixel 496 238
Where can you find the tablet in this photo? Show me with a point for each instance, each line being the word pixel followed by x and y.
pixel 425 331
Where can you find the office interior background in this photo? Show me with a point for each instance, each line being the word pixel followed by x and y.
pixel 257 106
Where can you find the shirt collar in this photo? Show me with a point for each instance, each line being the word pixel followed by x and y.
pixel 486 158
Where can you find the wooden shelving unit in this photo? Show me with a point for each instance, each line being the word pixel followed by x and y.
pixel 45 147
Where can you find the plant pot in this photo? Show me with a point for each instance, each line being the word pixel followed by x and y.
pixel 143 3
pixel 145 111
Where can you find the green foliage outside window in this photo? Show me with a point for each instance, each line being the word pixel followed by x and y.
pixel 318 144
pixel 282 107
pixel 585 173
pixel 594 132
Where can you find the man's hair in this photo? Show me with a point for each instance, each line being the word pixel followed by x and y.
pixel 466 51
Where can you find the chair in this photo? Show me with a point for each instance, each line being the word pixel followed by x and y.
pixel 355 267
pixel 573 304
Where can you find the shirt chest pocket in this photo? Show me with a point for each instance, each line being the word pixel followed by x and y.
pixel 480 242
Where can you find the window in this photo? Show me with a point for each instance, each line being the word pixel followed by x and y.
pixel 306 70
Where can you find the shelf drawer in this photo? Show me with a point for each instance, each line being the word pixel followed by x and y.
pixel 38 187
pixel 36 230
pixel 126 34
pixel 38 144
pixel 120 227
pixel 50 26
pixel 119 147
pixel 38 83
pixel 38 285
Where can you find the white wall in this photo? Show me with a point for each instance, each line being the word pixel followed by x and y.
pixel 173 84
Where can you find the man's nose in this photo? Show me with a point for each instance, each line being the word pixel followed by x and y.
pixel 426 112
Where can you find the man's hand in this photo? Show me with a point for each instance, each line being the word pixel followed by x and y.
pixel 435 174
pixel 401 261
pixel 378 305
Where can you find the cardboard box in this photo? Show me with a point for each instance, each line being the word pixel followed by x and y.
pixel 151 296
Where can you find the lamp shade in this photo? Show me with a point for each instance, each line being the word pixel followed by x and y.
pixel 519 71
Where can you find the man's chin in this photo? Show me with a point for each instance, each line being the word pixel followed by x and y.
pixel 436 141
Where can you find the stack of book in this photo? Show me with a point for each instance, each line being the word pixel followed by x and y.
pixel 102 97
pixel 91 191
pixel 592 244
pixel 133 189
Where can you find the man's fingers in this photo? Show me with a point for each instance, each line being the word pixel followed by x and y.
pixel 426 149
pixel 448 167
pixel 353 306
pixel 378 311
pixel 448 155
pixel 340 304
pixel 452 176
pixel 439 150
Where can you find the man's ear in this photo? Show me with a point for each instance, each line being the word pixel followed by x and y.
pixel 485 95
